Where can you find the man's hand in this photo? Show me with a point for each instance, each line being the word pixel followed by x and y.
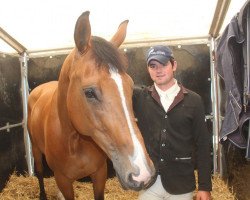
pixel 203 195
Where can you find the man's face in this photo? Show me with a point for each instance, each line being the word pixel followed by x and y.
pixel 162 75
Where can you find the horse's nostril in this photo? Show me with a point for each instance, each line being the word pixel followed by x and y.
pixel 130 177
pixel 135 185
pixel 133 177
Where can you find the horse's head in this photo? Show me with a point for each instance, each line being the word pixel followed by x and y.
pixel 99 102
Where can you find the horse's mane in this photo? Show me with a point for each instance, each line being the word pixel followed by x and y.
pixel 105 53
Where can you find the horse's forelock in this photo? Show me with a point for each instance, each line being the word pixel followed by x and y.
pixel 105 53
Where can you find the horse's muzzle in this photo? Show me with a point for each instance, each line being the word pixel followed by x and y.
pixel 130 183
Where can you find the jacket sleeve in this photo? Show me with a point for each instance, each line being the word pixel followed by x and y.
pixel 202 148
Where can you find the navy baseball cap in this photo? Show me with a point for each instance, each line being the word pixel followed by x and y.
pixel 159 53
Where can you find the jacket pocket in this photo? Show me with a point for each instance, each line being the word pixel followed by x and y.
pixel 183 159
pixel 182 166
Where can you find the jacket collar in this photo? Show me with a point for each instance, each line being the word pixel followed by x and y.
pixel 177 99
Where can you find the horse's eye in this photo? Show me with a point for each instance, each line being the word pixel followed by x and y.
pixel 90 93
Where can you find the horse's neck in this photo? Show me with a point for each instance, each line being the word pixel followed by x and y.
pixel 63 85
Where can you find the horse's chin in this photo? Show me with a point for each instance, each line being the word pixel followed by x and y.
pixel 130 184
pixel 124 186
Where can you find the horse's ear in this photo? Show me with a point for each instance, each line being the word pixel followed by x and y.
pixel 82 33
pixel 120 35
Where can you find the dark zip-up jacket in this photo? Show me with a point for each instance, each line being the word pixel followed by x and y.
pixel 176 140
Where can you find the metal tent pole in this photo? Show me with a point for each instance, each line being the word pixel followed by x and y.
pixel 248 67
pixel 25 92
pixel 215 110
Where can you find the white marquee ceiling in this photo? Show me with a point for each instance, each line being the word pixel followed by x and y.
pixel 49 24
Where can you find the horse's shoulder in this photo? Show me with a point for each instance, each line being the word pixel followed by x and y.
pixel 47 86
pixel 44 90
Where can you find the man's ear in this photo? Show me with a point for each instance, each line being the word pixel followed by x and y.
pixel 174 66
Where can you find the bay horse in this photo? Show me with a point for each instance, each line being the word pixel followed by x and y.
pixel 87 116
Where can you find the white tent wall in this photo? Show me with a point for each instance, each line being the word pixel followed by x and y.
pixel 38 27
pixel 45 25
pixel 50 24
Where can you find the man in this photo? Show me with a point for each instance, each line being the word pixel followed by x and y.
pixel 172 121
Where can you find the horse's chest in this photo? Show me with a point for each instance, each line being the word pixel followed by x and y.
pixel 78 159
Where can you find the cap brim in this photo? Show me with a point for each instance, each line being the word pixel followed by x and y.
pixel 162 59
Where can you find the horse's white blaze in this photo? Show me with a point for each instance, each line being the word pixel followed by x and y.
pixel 138 157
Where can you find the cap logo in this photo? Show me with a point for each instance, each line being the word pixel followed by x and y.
pixel 150 51
pixel 153 52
